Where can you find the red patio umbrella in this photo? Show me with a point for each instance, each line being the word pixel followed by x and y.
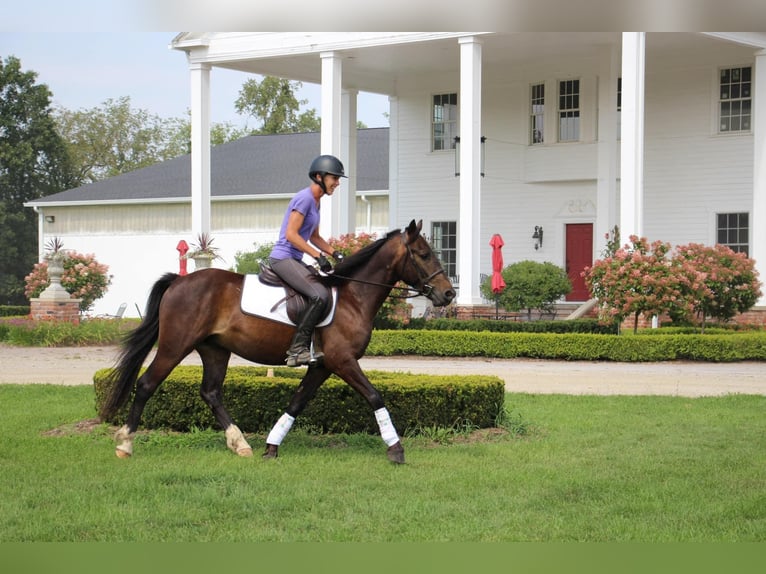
pixel 498 284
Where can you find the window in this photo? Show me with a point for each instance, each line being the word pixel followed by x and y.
pixel 619 109
pixel 569 110
pixel 444 244
pixel 537 114
pixel 734 100
pixel 733 230
pixel 444 122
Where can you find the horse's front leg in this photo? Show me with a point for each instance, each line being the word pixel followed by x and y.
pixel 352 373
pixel 310 383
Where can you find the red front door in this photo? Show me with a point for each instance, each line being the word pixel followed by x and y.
pixel 579 255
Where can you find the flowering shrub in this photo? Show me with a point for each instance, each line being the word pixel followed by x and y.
pixel 395 310
pixel 83 278
pixel 715 282
pixel 638 278
pixel 698 281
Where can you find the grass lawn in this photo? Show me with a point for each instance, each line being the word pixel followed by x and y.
pixel 599 469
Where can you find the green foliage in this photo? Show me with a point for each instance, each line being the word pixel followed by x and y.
pixel 530 285
pixel 250 261
pixel 736 346
pixel 26 332
pixel 33 164
pixel 573 326
pixel 256 401
pixel 273 104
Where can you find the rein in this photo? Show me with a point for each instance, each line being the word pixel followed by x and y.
pixel 425 290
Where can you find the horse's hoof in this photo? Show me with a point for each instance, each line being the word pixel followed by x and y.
pixel 245 452
pixel 272 451
pixel 396 453
pixel 121 453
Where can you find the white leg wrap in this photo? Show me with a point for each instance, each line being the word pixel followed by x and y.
pixel 387 430
pixel 124 440
pixel 280 430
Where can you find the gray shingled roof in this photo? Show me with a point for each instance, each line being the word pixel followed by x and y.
pixel 253 165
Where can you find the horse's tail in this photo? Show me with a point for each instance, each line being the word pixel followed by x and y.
pixel 135 349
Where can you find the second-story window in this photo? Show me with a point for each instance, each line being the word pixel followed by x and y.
pixel 444 122
pixel 569 110
pixel 537 114
pixel 734 100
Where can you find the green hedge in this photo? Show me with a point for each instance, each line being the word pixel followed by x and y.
pixel 736 346
pixel 14 310
pixel 255 401
pixel 573 326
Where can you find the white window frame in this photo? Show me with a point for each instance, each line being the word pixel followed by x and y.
pixel 448 125
pixel 537 114
pixel 736 101
pixel 572 104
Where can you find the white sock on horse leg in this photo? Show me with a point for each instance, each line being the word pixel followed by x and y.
pixel 387 430
pixel 283 426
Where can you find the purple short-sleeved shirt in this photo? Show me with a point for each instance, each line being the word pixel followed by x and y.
pixel 303 202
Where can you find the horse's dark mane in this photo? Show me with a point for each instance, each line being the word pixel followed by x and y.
pixel 351 263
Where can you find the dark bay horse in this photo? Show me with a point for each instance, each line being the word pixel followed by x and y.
pixel 201 311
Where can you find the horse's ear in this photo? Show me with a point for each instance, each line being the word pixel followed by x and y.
pixel 413 230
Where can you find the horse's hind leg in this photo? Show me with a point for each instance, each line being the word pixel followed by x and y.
pixel 215 361
pixel 146 386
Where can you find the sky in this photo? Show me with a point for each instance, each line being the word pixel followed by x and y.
pixel 84 69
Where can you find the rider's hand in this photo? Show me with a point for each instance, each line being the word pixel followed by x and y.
pixel 324 264
pixel 338 256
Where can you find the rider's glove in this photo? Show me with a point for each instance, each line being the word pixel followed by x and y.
pixel 324 265
pixel 338 256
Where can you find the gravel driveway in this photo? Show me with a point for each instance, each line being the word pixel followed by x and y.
pixel 76 365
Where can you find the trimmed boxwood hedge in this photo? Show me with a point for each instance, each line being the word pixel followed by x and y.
pixel 255 401
pixel 736 346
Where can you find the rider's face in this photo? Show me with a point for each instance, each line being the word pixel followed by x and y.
pixel 331 182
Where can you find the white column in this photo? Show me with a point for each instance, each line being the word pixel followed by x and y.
pixel 758 219
pixel 331 133
pixel 469 223
pixel 200 148
pixel 606 186
pixel 632 145
pixel 346 202
pixel 393 163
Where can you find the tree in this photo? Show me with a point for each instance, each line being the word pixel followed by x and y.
pixel 178 135
pixel 530 285
pixel 637 279
pixel 114 138
pixel 33 163
pixel 273 104
pixel 715 282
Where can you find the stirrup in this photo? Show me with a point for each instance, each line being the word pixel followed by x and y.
pixel 302 357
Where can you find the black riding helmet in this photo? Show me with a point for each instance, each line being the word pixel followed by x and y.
pixel 325 164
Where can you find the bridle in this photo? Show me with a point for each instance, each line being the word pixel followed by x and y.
pixel 425 288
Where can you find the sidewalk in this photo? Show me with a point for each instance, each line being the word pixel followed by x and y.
pixel 76 365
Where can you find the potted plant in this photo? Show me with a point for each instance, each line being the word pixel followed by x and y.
pixel 203 252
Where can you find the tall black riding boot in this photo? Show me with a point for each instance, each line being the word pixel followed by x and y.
pixel 299 352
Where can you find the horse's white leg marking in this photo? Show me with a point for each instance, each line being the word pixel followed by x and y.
pixel 124 440
pixel 236 442
pixel 387 430
pixel 283 426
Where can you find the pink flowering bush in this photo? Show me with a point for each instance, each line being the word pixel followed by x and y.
pixel 395 310
pixel 715 281
pixel 638 278
pixel 83 278
pixel 696 282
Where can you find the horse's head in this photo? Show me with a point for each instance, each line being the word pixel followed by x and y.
pixel 421 268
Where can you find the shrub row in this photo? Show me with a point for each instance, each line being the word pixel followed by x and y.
pixel 14 310
pixel 573 326
pixel 255 401
pixel 746 346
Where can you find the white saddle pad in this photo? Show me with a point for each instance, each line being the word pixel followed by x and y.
pixel 269 302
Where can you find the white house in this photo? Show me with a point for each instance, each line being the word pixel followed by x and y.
pixel 661 134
